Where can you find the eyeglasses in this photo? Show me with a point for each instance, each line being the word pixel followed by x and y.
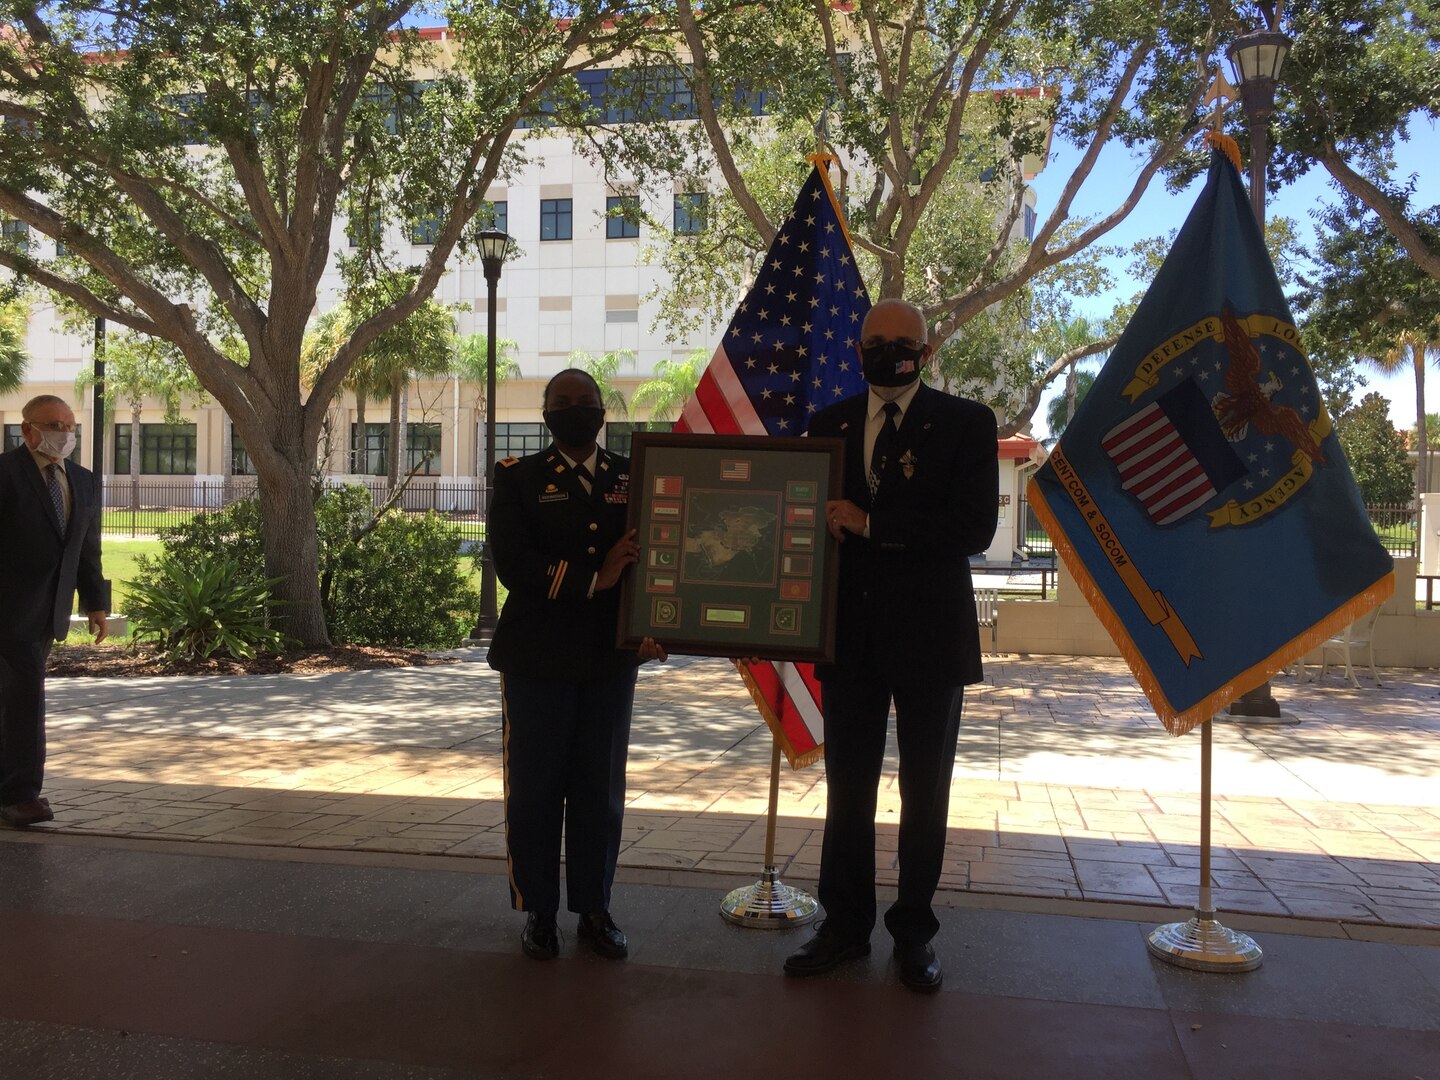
pixel 51 425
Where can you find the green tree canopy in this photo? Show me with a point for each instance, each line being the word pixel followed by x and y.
pixel 193 157
pixel 14 318
pixel 1368 301
pixel 1376 452
pixel 937 114
pixel 1359 75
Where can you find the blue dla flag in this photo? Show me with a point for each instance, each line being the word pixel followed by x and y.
pixel 1199 496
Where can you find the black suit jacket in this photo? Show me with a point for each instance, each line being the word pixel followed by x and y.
pixel 906 602
pixel 548 538
pixel 39 568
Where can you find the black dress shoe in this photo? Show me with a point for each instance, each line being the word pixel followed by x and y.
pixel 29 812
pixel 605 939
pixel 919 967
pixel 540 940
pixel 824 952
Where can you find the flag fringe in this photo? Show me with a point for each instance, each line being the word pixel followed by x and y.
pixel 1218 140
pixel 796 760
pixel 1179 722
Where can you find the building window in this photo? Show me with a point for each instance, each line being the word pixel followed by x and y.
pixel 354 232
pixel 240 463
pixel 422 444
pixel 368 455
pixel 622 217
pixel 165 449
pixel 1030 223
pixel 519 440
pixel 493 215
pixel 426 230
pixel 614 315
pixel 16 232
pixel 555 219
pixel 619 433
pixel 690 212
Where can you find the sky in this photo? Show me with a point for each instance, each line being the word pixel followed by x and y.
pixel 1159 212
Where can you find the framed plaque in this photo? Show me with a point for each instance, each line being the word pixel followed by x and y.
pixel 735 559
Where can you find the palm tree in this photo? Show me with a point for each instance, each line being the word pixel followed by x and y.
pixel 1412 348
pixel 472 364
pixel 138 367
pixel 604 369
pixel 673 385
pixel 13 360
pixel 1062 407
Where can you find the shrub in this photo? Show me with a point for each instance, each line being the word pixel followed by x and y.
pixel 400 583
pixel 196 608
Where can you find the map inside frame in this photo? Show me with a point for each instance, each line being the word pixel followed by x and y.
pixel 735 559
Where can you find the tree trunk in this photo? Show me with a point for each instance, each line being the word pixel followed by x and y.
pixel 1422 477
pixel 287 517
pixel 357 440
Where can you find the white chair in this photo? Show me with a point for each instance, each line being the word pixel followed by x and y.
pixel 987 614
pixel 1355 642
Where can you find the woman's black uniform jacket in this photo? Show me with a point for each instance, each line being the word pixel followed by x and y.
pixel 548 538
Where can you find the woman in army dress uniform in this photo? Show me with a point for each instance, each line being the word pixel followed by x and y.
pixel 558 537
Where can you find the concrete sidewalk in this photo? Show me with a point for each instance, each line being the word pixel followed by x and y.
pixel 1066 787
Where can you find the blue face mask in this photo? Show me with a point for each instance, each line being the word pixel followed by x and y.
pixel 891 363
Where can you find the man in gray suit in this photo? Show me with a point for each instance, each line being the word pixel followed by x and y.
pixel 49 547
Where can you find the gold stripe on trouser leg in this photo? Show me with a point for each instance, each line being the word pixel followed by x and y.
pixel 505 789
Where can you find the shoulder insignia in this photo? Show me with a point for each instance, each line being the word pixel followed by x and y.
pixel 507 462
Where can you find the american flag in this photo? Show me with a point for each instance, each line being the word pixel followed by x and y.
pixel 788 352
pixel 1171 454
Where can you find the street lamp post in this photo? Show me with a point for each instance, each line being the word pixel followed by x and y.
pixel 493 245
pixel 1255 60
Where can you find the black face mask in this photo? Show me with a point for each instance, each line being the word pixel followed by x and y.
pixel 575 426
pixel 890 363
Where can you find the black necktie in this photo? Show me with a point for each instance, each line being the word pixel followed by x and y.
pixel 586 480
pixel 52 484
pixel 885 440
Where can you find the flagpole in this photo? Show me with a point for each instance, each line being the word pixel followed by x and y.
pixel 769 903
pixel 1202 943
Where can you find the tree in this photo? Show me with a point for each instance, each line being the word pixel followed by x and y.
pixel 1376 452
pixel 1360 72
pixel 13 360
pixel 422 344
pixel 671 387
pixel 192 158
pixel 1063 406
pixel 1369 301
pixel 604 369
pixel 472 363
pixel 139 367
pixel 936 113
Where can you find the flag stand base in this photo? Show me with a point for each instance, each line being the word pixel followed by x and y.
pixel 769 904
pixel 1202 944
pixel 1258 707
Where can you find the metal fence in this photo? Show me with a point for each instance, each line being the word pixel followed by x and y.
pixel 150 505
pixel 1397 526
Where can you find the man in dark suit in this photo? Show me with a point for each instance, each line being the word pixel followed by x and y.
pixel 49 545
pixel 556 528
pixel 920 496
